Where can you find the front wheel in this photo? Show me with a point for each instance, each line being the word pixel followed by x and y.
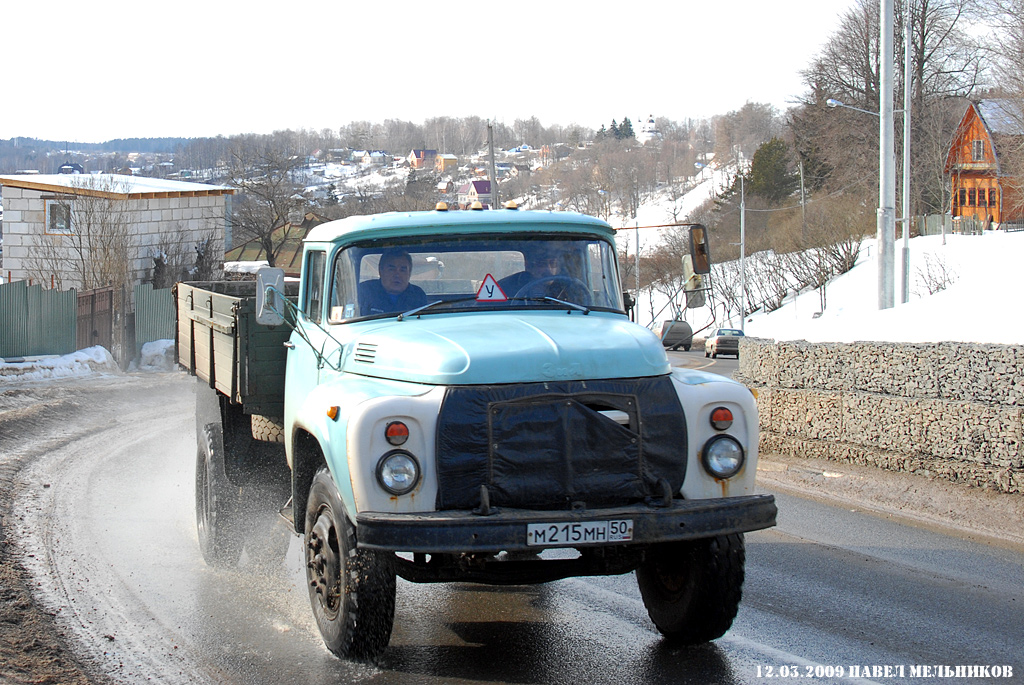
pixel 692 589
pixel 217 502
pixel 351 591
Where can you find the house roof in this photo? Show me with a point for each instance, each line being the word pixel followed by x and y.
pixel 1002 116
pixel 112 185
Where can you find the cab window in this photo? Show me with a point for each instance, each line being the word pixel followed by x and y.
pixel 313 304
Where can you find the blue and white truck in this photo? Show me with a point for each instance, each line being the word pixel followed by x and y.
pixel 448 396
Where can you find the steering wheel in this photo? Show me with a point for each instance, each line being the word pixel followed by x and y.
pixel 559 287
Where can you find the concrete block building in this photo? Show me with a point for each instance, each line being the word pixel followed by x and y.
pixel 54 223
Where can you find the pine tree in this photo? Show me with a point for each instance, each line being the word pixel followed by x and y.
pixel 770 176
pixel 626 130
pixel 614 130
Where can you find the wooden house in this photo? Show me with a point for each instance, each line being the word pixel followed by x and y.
pixel 982 186
pixel 422 159
pixel 446 162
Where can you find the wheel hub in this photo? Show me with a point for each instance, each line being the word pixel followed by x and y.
pixel 323 562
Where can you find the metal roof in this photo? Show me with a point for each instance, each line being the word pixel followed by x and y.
pixel 1002 116
pixel 112 184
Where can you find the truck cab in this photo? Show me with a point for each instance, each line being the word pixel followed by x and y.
pixel 464 392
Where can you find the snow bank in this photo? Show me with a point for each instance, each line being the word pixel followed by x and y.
pixel 81 363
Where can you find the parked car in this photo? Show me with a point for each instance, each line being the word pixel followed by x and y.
pixel 723 341
pixel 674 334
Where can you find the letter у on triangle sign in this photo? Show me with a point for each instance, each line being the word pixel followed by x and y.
pixel 490 291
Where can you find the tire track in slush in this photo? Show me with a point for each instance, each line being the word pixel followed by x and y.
pixel 78 584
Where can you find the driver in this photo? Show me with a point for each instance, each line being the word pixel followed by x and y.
pixel 392 292
pixel 542 261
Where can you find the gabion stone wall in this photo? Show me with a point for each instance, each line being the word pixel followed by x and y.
pixel 952 410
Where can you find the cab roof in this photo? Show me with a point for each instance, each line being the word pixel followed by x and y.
pixel 399 224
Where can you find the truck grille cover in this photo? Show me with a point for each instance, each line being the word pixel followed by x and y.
pixel 548 446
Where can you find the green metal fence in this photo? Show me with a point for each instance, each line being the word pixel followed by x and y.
pixel 35 321
pixel 154 315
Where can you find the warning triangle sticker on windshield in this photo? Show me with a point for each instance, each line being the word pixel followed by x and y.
pixel 490 291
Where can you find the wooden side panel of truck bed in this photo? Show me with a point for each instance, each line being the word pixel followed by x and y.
pixel 219 341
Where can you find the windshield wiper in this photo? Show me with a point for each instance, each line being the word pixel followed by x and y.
pixel 417 310
pixel 546 298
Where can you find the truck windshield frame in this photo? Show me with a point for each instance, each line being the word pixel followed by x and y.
pixel 461 273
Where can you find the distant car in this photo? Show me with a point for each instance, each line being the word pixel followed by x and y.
pixel 723 341
pixel 675 334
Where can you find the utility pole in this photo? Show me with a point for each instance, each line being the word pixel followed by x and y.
pixel 886 164
pixel 495 200
pixel 908 78
pixel 743 247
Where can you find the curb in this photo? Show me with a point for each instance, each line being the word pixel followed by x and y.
pixel 953 508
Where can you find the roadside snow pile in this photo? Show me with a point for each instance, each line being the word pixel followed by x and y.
pixel 157 356
pixel 83 362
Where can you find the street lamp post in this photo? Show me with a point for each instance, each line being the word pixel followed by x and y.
pixel 887 166
pixel 907 80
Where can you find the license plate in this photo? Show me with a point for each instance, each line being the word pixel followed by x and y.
pixel 580 533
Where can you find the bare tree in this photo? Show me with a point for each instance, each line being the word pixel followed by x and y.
pixel 262 169
pixel 946 62
pixel 95 237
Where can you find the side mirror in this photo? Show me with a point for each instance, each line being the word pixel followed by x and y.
pixel 693 285
pixel 270 296
pixel 700 250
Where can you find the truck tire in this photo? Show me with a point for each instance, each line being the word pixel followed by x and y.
pixel 217 500
pixel 268 428
pixel 351 591
pixel 692 589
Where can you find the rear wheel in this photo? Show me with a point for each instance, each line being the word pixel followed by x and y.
pixel 692 589
pixel 217 502
pixel 351 591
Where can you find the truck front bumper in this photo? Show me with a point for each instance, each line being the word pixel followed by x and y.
pixel 505 529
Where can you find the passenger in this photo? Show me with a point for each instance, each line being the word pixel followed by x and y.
pixel 541 262
pixel 392 292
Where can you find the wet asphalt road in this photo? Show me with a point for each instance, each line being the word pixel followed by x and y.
pixel 108 517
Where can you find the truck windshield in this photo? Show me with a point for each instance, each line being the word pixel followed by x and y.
pixel 386 278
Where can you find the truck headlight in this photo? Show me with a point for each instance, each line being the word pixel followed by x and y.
pixel 722 456
pixel 398 472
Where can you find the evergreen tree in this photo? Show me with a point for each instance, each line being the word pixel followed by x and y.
pixel 614 130
pixel 770 175
pixel 626 130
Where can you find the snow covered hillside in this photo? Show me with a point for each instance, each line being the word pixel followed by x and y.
pixel 976 306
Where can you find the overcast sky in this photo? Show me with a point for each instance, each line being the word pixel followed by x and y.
pixel 93 71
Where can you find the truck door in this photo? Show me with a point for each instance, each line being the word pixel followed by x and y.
pixel 309 348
